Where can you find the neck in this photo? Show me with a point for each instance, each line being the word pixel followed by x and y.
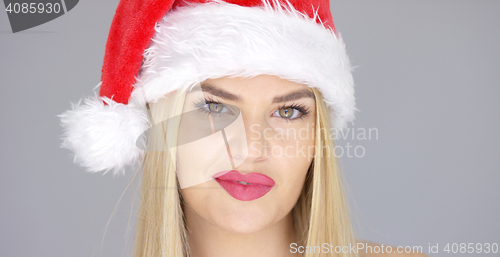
pixel 208 240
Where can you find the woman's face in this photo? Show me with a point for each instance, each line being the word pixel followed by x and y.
pixel 247 173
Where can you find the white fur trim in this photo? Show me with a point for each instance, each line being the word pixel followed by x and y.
pixel 103 137
pixel 213 40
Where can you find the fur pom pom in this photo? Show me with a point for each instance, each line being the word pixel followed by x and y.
pixel 103 137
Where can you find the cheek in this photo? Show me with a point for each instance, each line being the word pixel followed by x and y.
pixel 199 198
pixel 198 161
pixel 293 163
pixel 294 146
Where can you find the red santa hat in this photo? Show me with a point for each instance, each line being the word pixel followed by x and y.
pixel 155 47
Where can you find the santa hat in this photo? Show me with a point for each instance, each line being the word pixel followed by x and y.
pixel 155 47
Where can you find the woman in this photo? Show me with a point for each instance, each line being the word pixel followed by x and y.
pixel 229 107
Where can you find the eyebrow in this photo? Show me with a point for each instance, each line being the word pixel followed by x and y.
pixel 205 87
pixel 294 96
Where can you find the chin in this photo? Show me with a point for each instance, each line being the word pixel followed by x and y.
pixel 242 217
pixel 220 209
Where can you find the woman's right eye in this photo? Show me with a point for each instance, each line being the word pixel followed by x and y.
pixel 215 107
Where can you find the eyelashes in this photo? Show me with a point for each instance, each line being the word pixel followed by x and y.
pixel 298 111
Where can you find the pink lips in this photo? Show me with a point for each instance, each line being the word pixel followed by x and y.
pixel 246 187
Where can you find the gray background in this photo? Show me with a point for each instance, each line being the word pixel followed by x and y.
pixel 427 79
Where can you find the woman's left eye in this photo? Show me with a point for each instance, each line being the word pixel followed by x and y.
pixel 287 113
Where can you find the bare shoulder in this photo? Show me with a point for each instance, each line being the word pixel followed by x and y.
pixel 380 250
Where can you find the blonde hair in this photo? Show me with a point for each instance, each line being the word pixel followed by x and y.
pixel 320 215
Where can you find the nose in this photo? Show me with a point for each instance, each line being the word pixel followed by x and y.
pixel 256 142
pixel 246 139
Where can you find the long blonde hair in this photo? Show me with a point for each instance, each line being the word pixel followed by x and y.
pixel 320 215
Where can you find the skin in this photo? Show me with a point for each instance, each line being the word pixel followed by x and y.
pixel 220 225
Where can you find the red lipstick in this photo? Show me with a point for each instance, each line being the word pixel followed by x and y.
pixel 246 187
